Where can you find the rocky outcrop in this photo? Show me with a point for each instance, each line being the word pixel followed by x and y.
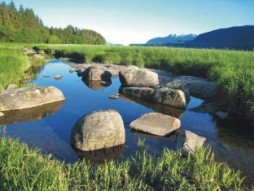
pixel 156 124
pixel 188 142
pixel 133 76
pixel 29 97
pixel 163 95
pixel 198 87
pixel 96 74
pixel 98 130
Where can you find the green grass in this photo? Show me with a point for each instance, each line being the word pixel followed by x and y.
pixel 233 71
pixel 14 63
pixel 23 168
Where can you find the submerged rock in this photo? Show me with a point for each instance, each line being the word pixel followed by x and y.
pixel 156 124
pixel 98 130
pixel 198 87
pixel 133 76
pixel 96 74
pixel 58 77
pixel 29 97
pixel 164 95
pixel 188 142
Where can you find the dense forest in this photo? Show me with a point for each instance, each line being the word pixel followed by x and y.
pixel 22 25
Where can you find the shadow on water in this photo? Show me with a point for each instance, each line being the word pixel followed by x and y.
pixel 48 128
pixel 96 85
pixel 167 110
pixel 35 113
pixel 100 156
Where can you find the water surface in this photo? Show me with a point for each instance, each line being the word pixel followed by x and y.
pixel 48 127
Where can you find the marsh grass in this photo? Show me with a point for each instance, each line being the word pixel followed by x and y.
pixel 14 64
pixel 23 168
pixel 233 71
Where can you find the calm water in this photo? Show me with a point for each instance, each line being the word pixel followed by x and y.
pixel 48 128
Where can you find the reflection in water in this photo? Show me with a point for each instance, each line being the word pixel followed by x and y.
pixel 164 109
pixel 100 156
pixel 51 134
pixel 170 137
pixel 30 114
pixel 96 85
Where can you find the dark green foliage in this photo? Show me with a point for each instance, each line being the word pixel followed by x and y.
pixel 24 26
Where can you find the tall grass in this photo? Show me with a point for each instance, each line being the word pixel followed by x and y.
pixel 23 168
pixel 233 71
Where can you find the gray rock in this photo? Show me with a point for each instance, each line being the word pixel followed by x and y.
pixel 198 87
pixel 168 96
pixel 140 92
pixel 58 77
pixel 115 96
pixel 164 95
pixel 96 74
pixel 38 56
pixel 12 87
pixel 29 97
pixel 188 142
pixel 133 76
pixel 98 130
pixel 156 124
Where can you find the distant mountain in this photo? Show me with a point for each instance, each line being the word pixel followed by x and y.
pixel 241 37
pixel 172 38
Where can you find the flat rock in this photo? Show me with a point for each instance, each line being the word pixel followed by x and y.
pixel 156 124
pixel 163 95
pixel 98 130
pixel 198 87
pixel 96 74
pixel 29 97
pixel 188 142
pixel 133 76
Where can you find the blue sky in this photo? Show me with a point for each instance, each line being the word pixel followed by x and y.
pixel 136 21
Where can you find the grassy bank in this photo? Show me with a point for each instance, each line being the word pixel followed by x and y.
pixel 232 70
pixel 22 168
pixel 14 63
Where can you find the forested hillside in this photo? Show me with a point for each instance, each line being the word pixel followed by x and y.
pixel 22 25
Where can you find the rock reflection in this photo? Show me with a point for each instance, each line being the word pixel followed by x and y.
pixel 164 109
pixel 30 114
pixel 96 85
pixel 171 137
pixel 100 156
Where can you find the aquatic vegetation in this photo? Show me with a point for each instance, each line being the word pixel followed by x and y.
pixel 23 168
pixel 233 71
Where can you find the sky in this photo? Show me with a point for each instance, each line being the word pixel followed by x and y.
pixel 137 21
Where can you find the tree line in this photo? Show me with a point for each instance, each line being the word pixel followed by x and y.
pixel 22 25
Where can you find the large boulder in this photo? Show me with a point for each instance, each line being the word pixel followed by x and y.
pixel 156 124
pixel 29 97
pixel 133 76
pixel 188 142
pixel 198 87
pixel 98 130
pixel 96 74
pixel 168 96
pixel 163 95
